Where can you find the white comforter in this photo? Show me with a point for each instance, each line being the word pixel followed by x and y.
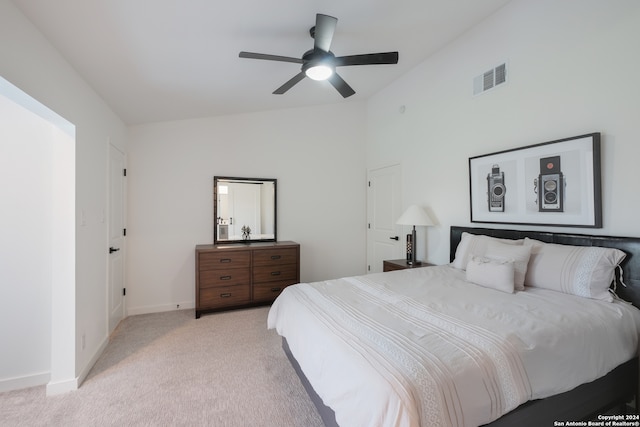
pixel 425 347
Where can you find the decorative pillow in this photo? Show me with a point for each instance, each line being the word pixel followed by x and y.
pixel 586 271
pixel 510 252
pixel 491 273
pixel 472 244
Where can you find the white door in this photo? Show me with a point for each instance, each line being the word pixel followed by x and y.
pixel 384 205
pixel 116 237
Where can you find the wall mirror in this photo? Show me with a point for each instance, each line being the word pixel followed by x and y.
pixel 244 210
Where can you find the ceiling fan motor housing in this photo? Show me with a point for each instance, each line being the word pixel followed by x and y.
pixel 314 58
pixel 320 63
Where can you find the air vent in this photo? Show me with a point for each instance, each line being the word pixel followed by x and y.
pixel 490 79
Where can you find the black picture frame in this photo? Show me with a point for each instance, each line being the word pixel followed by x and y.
pixel 555 183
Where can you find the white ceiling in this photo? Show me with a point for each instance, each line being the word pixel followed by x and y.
pixel 175 59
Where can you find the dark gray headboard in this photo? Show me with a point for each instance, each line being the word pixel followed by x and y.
pixel 629 245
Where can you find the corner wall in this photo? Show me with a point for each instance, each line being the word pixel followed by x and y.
pixel 26 150
pixel 28 61
pixel 315 153
pixel 572 69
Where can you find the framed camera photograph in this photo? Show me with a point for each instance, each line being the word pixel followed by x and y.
pixel 554 183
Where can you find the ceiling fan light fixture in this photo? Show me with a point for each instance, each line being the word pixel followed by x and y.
pixel 319 63
pixel 319 72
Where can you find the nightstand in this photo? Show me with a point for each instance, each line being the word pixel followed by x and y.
pixel 401 264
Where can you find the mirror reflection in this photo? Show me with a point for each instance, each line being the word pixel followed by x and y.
pixel 244 209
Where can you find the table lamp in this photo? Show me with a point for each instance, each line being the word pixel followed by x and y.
pixel 414 215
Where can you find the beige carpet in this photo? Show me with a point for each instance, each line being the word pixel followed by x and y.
pixel 169 369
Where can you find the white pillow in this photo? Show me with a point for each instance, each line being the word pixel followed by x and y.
pixel 586 271
pixel 519 255
pixel 473 244
pixel 491 273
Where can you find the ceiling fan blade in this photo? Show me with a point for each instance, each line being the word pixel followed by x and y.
pixel 288 85
pixel 341 86
pixel 367 59
pixel 252 55
pixel 324 29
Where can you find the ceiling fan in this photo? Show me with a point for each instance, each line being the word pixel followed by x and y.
pixel 320 63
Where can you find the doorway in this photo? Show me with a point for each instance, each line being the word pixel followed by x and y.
pixel 116 300
pixel 384 205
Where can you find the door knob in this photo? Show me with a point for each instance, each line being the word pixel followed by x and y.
pixel 395 238
pixel 112 249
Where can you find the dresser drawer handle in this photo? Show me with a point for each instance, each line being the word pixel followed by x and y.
pixel 275 273
pixel 225 259
pixel 276 289
pixel 225 295
pixel 225 277
pixel 275 257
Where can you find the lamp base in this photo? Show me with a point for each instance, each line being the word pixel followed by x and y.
pixel 414 244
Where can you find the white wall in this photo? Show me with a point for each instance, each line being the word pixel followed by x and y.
pixel 25 157
pixel 29 62
pixel 573 68
pixel 317 156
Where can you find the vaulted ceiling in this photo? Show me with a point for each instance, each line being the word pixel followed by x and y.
pixel 175 59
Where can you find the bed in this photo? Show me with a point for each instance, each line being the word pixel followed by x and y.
pixel 439 346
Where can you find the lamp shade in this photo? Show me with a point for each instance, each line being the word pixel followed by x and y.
pixel 414 215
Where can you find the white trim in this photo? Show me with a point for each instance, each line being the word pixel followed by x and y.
pixel 24 382
pixel 61 387
pixel 147 309
pixel 92 361
pixel 73 384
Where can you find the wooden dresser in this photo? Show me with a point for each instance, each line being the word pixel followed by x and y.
pixel 243 275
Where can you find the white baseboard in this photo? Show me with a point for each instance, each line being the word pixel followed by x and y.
pixel 133 311
pixel 61 387
pixel 85 371
pixel 27 381
pixel 73 384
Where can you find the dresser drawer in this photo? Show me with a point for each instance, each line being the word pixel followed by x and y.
pixel 275 256
pixel 224 259
pixel 269 291
pixel 273 273
pixel 243 275
pixel 225 277
pixel 224 296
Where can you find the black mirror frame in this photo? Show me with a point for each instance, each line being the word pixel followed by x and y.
pixel 215 209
